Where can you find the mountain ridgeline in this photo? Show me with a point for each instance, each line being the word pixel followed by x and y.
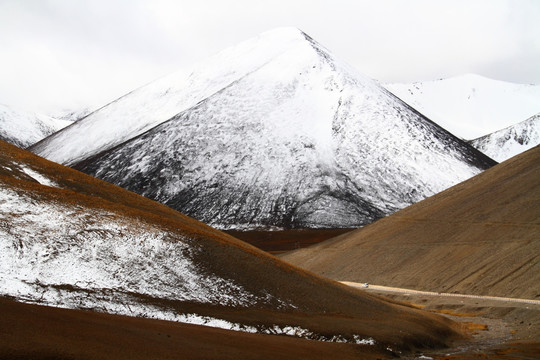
pixel 274 133
pixel 508 142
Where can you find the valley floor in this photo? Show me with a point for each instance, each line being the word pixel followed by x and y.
pixel 501 329
pixel 280 241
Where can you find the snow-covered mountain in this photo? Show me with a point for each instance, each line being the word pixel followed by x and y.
pixel 506 143
pixel 471 106
pixel 24 129
pixel 73 241
pixel 273 133
pixel 159 101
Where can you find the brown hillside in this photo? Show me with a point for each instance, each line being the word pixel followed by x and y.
pixel 39 333
pixel 479 237
pixel 320 305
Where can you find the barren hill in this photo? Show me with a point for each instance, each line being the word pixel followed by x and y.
pixel 479 237
pixel 72 241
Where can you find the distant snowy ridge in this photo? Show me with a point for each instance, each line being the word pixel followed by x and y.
pixel 24 129
pixel 273 133
pixel 71 115
pixel 506 143
pixel 471 106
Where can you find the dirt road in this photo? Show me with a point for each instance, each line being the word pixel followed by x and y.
pixel 431 293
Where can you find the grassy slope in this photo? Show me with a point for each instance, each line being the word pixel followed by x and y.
pixel 323 305
pixel 479 237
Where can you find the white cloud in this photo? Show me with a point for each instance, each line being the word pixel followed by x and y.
pixel 62 53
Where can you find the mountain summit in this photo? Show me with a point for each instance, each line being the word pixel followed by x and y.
pixel 275 132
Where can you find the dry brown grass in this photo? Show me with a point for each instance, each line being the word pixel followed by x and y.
pixel 39 333
pixel 277 242
pixel 453 313
pixel 475 326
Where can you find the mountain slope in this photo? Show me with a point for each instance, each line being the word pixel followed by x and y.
pixel 503 144
pixel 24 129
pixel 479 237
pixel 74 334
pixel 154 103
pixel 471 106
pixel 73 241
pixel 300 140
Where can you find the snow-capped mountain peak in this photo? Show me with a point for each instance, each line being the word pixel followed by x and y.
pixel 273 132
pixel 158 101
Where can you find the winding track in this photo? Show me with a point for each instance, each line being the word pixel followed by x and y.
pixel 432 293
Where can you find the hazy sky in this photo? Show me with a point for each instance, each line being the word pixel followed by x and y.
pixel 61 54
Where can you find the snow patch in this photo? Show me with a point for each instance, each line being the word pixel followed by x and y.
pixel 38 177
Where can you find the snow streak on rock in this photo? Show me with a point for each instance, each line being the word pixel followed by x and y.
pixel 503 144
pixel 297 139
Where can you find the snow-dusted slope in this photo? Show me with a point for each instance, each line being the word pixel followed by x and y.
pixel 471 106
pixel 506 143
pixel 84 243
pixel 24 129
pixel 300 141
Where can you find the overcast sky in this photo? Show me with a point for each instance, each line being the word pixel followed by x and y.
pixel 63 54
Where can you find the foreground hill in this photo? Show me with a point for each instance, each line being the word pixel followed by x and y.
pixel 40 332
pixel 72 241
pixel 479 237
pixel 274 133
pixel 24 129
pixel 503 144
pixel 471 106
